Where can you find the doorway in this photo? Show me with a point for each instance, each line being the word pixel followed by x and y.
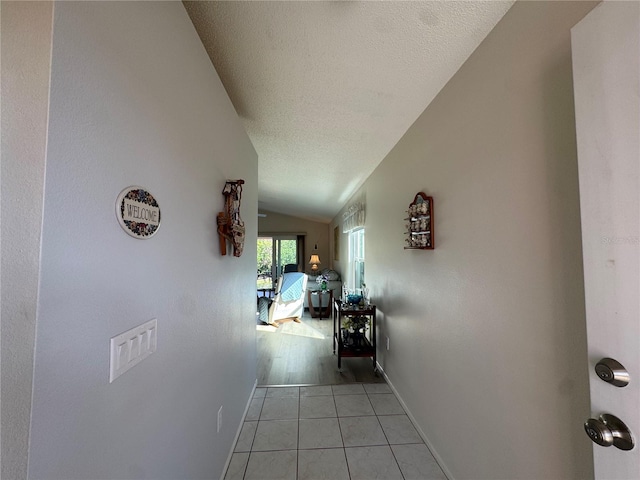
pixel 274 253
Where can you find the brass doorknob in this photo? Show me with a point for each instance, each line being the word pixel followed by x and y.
pixel 609 430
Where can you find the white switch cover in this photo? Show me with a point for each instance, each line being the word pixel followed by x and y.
pixel 129 348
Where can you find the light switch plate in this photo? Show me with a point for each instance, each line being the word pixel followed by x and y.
pixel 129 348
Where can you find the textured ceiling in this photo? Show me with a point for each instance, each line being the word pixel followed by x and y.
pixel 326 89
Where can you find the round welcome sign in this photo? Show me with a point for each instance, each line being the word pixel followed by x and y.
pixel 138 212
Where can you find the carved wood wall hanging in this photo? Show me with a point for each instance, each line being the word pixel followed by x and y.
pixel 230 225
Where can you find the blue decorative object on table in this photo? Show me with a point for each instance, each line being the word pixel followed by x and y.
pixel 354 299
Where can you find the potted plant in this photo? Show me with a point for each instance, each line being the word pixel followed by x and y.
pixel 322 280
pixel 354 328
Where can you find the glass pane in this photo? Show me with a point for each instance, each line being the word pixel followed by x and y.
pixel 360 245
pixel 356 258
pixel 359 273
pixel 288 253
pixel 265 262
pixel 273 254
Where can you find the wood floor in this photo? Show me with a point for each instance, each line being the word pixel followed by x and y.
pixel 302 354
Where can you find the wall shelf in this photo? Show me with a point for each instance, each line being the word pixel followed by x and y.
pixel 419 229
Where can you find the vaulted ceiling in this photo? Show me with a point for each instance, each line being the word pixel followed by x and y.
pixel 326 89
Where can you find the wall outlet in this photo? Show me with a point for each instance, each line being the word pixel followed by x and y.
pixel 219 418
pixel 387 343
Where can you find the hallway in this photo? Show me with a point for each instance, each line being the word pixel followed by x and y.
pixel 348 431
pixel 302 354
pixel 104 96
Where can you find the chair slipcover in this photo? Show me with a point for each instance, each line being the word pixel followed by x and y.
pixel 289 299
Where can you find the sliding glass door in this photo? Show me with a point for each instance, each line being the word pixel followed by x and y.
pixel 265 262
pixel 274 253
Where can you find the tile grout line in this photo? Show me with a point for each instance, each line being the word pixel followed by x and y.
pixel 393 454
pixel 344 450
pixel 246 467
pixel 385 435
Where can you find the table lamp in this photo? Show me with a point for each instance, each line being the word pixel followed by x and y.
pixel 314 261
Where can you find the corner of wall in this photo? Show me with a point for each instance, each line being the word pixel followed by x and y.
pixel 26 61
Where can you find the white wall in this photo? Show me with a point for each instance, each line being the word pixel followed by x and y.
pixel 135 101
pixel 487 331
pixel 26 52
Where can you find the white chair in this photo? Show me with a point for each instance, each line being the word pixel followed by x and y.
pixel 289 299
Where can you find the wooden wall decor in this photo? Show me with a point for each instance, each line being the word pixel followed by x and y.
pixel 230 225
pixel 420 226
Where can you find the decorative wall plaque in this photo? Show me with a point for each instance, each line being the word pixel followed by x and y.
pixel 138 212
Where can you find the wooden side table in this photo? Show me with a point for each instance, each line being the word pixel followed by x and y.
pixel 319 312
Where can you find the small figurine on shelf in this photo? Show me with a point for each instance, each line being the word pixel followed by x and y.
pixel 365 294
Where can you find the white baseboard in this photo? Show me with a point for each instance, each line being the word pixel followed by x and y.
pixel 441 464
pixel 235 439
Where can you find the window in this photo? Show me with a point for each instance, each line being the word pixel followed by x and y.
pixel 356 259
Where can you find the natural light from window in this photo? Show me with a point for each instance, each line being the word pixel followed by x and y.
pixel 356 260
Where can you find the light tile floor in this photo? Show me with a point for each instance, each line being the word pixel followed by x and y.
pixel 350 432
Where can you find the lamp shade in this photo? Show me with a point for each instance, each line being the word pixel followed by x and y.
pixel 314 260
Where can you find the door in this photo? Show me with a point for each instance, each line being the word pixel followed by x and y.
pixel 605 47
pixel 274 252
pixel 265 263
